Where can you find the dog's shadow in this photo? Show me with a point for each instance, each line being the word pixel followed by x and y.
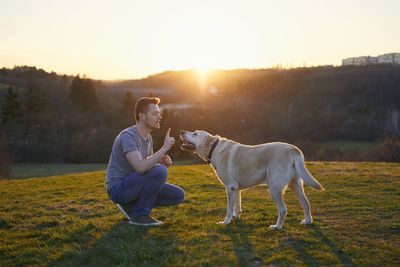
pixel 344 259
pixel 302 247
pixel 238 231
pixel 246 253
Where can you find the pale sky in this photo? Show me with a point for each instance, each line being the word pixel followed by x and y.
pixel 132 39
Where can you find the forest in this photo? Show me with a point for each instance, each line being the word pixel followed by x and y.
pixel 48 117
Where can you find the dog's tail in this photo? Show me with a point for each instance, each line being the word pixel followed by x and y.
pixel 302 172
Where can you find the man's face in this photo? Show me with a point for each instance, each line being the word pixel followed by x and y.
pixel 152 118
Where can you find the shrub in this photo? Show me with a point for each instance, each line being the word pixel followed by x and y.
pixel 5 159
pixel 388 150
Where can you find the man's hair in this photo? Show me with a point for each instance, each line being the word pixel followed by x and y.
pixel 142 105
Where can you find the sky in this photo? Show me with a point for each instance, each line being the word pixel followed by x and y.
pixel 133 39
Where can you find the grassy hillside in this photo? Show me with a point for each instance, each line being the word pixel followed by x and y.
pixel 68 221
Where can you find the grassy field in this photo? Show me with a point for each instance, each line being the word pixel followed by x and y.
pixel 67 220
pixel 347 146
pixel 27 170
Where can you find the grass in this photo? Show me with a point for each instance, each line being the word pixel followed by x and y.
pixel 26 170
pixel 67 220
pixel 347 146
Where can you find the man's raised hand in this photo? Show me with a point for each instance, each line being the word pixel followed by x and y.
pixel 169 141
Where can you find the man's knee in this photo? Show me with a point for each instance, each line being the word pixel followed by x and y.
pixel 160 172
pixel 180 196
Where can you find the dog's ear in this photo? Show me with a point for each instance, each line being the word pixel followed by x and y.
pixel 210 139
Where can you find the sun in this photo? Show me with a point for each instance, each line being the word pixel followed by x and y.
pixel 202 74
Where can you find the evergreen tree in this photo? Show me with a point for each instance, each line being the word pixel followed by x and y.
pixel 90 95
pixel 83 94
pixel 36 102
pixel 12 107
pixel 127 109
pixel 37 124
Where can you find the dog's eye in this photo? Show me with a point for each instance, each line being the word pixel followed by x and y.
pixel 194 134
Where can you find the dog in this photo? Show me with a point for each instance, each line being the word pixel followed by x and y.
pixel 238 167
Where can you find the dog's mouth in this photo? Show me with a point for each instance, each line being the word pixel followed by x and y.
pixel 186 145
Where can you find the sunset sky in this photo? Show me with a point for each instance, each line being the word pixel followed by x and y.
pixel 132 39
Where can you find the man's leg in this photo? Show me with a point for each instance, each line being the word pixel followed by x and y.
pixel 142 189
pixel 156 179
pixel 141 193
pixel 170 195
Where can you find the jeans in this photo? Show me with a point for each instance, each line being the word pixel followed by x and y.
pixel 143 192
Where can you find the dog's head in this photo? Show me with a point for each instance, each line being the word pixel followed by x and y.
pixel 199 142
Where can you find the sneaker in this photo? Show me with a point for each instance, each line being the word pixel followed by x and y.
pixel 124 210
pixel 145 220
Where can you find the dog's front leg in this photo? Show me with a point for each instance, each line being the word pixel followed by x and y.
pixel 231 200
pixel 238 208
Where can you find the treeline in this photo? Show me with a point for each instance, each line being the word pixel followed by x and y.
pixel 50 118
pixel 318 104
pixel 47 117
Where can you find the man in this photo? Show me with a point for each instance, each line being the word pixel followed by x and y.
pixel 136 177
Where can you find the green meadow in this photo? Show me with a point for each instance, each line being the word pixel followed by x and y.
pixel 67 220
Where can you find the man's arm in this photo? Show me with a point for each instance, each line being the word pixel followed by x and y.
pixel 143 165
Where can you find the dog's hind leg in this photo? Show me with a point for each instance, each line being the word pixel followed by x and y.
pixel 296 185
pixel 276 191
pixel 238 208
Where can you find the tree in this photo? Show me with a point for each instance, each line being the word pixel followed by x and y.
pixel 36 111
pixel 12 107
pixel 127 109
pixel 83 94
pixel 36 101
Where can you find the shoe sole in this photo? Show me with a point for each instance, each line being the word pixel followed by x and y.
pixel 123 212
pixel 146 224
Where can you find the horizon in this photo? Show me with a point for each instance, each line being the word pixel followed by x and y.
pixel 135 39
pixel 199 71
pixel 202 73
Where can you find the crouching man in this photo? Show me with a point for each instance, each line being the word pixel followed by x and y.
pixel 136 178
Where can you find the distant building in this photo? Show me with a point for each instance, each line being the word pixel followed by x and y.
pixel 392 58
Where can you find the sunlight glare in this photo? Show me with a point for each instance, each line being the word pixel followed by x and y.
pixel 202 74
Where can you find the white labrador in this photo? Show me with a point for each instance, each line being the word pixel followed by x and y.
pixel 239 166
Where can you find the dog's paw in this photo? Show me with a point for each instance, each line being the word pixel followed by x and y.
pixel 237 214
pixel 306 221
pixel 274 227
pixel 226 221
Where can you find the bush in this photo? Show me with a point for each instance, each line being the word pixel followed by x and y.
pixel 5 159
pixel 388 150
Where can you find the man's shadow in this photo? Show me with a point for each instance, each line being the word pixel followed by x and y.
pixel 123 244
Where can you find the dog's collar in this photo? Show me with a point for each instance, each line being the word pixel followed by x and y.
pixel 211 151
